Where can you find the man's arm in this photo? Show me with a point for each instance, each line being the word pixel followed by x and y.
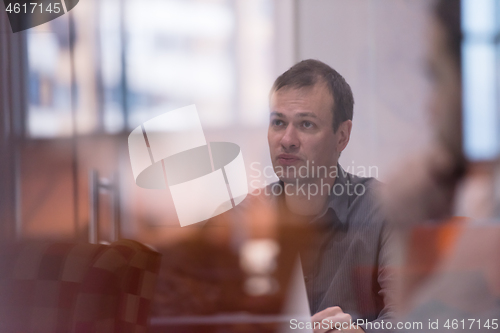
pixel 385 279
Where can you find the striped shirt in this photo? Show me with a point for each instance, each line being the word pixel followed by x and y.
pixel 347 263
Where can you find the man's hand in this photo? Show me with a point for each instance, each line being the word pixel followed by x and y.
pixel 335 317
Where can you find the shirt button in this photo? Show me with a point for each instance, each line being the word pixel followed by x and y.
pixel 307 278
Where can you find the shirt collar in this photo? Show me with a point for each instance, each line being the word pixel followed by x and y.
pixel 339 202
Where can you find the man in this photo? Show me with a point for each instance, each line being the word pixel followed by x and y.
pixel 345 270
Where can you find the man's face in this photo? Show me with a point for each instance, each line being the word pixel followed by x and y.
pixel 301 131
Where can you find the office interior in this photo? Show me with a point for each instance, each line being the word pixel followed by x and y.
pixel 73 89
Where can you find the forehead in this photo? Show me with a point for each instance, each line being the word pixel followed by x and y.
pixel 315 98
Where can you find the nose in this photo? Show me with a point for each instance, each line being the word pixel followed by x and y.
pixel 290 140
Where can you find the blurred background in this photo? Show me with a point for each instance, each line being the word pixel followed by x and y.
pixel 74 88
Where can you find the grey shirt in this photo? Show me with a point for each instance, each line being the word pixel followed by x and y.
pixel 348 263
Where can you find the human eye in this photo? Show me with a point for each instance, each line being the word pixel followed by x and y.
pixel 277 122
pixel 307 124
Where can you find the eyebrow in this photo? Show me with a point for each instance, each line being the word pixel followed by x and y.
pixel 277 114
pixel 301 114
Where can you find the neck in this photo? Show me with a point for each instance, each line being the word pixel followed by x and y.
pixel 308 198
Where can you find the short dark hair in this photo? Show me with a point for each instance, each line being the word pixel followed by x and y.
pixel 308 73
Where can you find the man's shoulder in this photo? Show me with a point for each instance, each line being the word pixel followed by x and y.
pixel 367 188
pixel 364 199
pixel 361 178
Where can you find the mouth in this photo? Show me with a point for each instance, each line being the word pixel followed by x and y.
pixel 287 159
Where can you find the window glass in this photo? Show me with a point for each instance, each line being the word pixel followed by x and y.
pixel 135 59
pixel 480 84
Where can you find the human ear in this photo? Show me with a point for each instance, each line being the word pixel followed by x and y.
pixel 343 134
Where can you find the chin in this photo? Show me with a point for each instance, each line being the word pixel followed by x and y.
pixel 293 180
